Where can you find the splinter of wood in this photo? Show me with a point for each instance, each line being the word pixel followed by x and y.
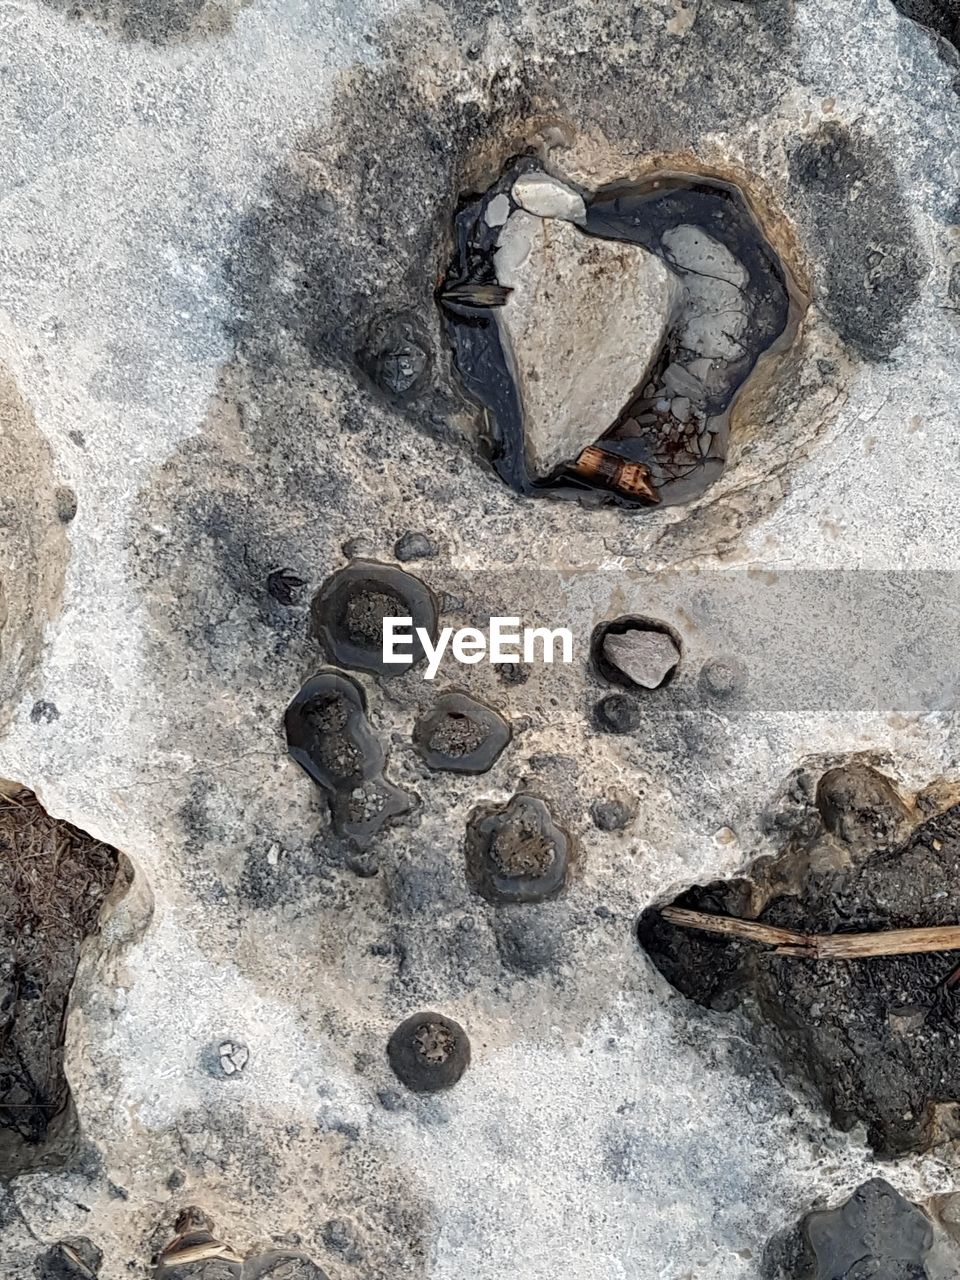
pixel 821 946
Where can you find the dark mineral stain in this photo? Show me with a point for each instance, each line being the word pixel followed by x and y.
pixel 397 357
pixel 285 587
pixel 53 881
pixel 874 1037
pixel 875 1235
pixel 428 1052
pixel 340 1236
pixel 44 712
pixel 461 735
pixel 722 678
pixel 329 736
pixel 531 942
pixel 861 805
pixel 156 22
pixel 616 713
pixel 867 259
pixel 74 1259
pixel 349 609
pixel 610 815
pixel 66 502
pixel 516 852
pixel 686 220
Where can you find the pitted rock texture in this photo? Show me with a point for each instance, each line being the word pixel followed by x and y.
pixel 201 238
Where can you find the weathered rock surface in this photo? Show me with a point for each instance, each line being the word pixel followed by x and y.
pixel 200 236
pixel 583 324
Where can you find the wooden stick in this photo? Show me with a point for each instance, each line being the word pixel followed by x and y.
pixel 822 946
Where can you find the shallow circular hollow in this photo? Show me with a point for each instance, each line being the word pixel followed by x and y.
pixel 328 733
pixel 461 735
pixel 675 295
pixel 348 611
pixel 516 853
pixel 428 1052
pixel 623 626
pixel 396 357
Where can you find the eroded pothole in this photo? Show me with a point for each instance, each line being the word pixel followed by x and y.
pixel 54 881
pixel 607 335
pixel 877 1036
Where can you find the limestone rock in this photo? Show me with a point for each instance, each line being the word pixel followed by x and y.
pixel 548 197
pixel 583 324
pixel 645 657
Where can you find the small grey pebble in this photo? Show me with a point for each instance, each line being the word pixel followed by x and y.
pixel 66 501
pixel 44 713
pixel 414 546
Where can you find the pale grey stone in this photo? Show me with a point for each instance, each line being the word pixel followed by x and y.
pixel 583 324
pixel 714 310
pixel 645 657
pixel 548 197
pixel 498 210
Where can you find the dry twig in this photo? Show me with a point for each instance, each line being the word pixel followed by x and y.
pixel 821 946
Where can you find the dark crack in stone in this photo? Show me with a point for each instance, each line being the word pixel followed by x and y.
pixel 875 1038
pixel 429 1052
pixel 461 735
pixel 516 852
pixel 349 609
pixel 875 1235
pixel 54 879
pixel 329 736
